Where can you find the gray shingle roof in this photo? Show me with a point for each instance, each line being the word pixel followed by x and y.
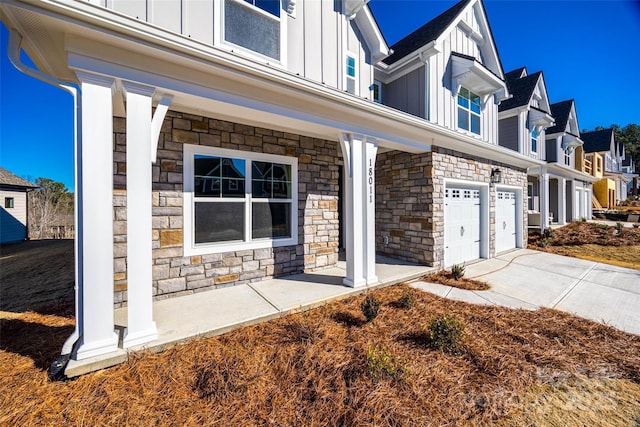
pixel 521 90
pixel 7 178
pixel 597 140
pixel 560 111
pixel 425 34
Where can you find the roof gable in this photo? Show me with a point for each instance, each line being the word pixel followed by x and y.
pixel 429 32
pixel 564 113
pixel 598 141
pixel 525 90
pixel 7 178
pixel 468 15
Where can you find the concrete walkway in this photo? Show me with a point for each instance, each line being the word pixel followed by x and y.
pixel 530 279
pixel 222 310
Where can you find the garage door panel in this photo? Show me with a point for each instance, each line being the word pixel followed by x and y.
pixel 505 220
pixel 462 225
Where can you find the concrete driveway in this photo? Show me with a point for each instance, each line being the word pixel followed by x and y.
pixel 530 279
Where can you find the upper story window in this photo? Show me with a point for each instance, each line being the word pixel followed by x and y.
pixel 238 200
pixel 376 91
pixel 534 140
pixel 468 111
pixel 350 73
pixel 254 25
pixel 8 202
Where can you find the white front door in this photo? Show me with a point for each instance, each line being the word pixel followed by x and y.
pixel 462 225
pixel 505 220
pixel 577 205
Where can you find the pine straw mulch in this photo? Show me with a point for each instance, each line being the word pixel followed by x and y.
pixel 445 277
pixel 593 242
pixel 311 369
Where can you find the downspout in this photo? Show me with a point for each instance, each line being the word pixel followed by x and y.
pixel 13 52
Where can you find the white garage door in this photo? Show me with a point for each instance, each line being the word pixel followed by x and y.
pixel 505 221
pixel 462 225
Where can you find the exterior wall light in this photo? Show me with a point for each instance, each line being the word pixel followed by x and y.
pixel 496 175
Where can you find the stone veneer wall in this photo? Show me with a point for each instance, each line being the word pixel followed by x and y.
pixel 410 200
pixel 174 274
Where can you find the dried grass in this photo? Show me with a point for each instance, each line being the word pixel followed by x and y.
pixel 592 242
pixel 311 369
pixel 445 277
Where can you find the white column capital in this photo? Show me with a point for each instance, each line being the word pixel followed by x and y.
pixel 138 89
pixel 95 79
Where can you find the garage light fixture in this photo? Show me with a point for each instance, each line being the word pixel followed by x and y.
pixel 496 175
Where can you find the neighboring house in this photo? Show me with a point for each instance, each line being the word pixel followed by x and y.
pixel 570 180
pixel 602 147
pixel 556 191
pixel 254 139
pixel 13 201
pixel 629 171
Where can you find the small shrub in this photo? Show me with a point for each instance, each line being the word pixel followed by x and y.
pixel 370 307
pixel 636 225
pixel 547 233
pixel 447 334
pixel 382 364
pixel 583 219
pixel 619 227
pixel 407 300
pixel 457 271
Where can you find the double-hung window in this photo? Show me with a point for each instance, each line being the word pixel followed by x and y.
pixel 350 73
pixel 238 200
pixel 468 111
pixel 254 25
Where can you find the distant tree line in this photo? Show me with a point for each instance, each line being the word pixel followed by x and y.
pixel 50 210
pixel 630 137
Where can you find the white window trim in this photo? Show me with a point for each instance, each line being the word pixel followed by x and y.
pixel 531 133
pixel 190 248
pixel 220 41
pixel 458 107
pixel 356 71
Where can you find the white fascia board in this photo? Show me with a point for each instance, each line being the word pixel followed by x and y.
pixel 371 32
pixel 421 54
pixel 512 112
pixel 567 172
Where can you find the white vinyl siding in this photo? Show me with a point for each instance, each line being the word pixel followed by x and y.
pixel 13 226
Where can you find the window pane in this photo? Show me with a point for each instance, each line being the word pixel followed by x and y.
pixel 219 222
pixel 271 220
pixel 463 119
pixel 271 6
pixel 271 180
pixel 463 102
pixel 251 29
pixel 351 86
pixel 475 105
pixel 475 124
pixel 351 66
pixel 218 176
pixel 464 92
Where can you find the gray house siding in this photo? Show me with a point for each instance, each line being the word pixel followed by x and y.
pixel 407 93
pixel 508 133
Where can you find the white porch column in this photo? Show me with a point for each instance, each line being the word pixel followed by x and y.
pixel 572 196
pixel 140 325
pixel 562 201
pixel 94 236
pixel 544 200
pixel 359 156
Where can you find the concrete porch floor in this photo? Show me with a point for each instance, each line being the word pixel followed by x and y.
pixel 215 312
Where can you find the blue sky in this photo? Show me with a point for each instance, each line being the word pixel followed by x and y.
pixel 587 50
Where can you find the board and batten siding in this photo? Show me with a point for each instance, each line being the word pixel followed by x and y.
pixel 13 225
pixel 317 38
pixel 407 93
pixel 509 132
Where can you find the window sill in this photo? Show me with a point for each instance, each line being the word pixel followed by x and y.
pixel 213 248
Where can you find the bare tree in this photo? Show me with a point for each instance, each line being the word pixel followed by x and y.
pixel 47 204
